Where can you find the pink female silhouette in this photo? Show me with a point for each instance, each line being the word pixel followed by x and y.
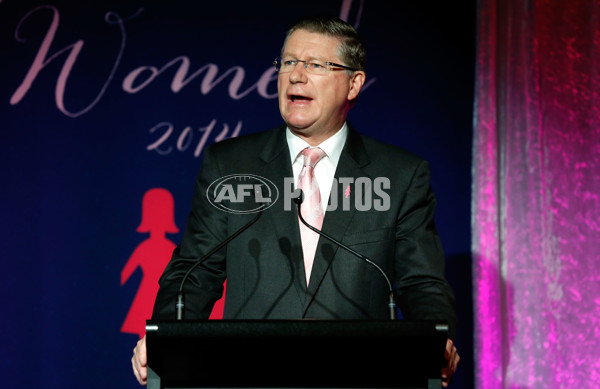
pixel 152 256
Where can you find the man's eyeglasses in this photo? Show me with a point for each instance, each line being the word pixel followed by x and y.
pixel 286 65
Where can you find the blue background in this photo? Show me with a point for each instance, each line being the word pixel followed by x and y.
pixel 72 186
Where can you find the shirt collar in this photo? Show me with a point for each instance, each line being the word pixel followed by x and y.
pixel 332 146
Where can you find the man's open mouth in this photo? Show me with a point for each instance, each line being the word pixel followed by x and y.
pixel 296 98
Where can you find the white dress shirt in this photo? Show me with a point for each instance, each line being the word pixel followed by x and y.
pixel 325 169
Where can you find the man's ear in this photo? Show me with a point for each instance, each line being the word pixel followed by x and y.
pixel 356 82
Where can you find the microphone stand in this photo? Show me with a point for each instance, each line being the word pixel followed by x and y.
pixel 298 199
pixel 179 306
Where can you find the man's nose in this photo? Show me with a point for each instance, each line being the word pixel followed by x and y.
pixel 298 74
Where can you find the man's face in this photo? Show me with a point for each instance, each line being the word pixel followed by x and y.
pixel 315 106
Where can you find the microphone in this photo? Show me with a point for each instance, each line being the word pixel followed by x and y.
pixel 180 305
pixel 298 197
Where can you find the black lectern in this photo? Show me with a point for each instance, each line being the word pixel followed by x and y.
pixel 295 354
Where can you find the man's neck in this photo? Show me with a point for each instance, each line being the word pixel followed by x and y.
pixel 315 139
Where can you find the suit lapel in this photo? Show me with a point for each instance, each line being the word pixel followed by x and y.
pixel 283 217
pixel 336 222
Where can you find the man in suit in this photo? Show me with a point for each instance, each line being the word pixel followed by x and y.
pixel 380 204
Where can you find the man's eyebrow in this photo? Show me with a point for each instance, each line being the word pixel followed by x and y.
pixel 310 58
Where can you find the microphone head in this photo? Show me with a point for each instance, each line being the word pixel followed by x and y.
pixel 298 196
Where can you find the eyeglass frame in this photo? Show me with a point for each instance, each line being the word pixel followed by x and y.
pixel 279 60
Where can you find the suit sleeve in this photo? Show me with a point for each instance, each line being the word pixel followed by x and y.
pixel 206 227
pixel 423 292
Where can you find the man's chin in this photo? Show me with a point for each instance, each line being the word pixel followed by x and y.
pixel 301 132
pixel 300 129
pixel 299 122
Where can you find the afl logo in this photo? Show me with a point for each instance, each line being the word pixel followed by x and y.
pixel 242 193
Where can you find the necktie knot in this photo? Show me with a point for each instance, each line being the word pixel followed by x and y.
pixel 312 156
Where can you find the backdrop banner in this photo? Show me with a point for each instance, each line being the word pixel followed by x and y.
pixel 105 110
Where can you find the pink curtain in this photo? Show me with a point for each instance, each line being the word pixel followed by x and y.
pixel 536 189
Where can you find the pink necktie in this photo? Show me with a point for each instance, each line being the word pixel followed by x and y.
pixel 311 206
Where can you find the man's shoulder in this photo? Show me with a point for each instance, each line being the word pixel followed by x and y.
pixel 387 154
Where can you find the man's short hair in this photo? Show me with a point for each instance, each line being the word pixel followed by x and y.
pixel 352 49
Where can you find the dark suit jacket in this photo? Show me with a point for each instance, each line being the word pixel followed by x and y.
pixel 264 267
